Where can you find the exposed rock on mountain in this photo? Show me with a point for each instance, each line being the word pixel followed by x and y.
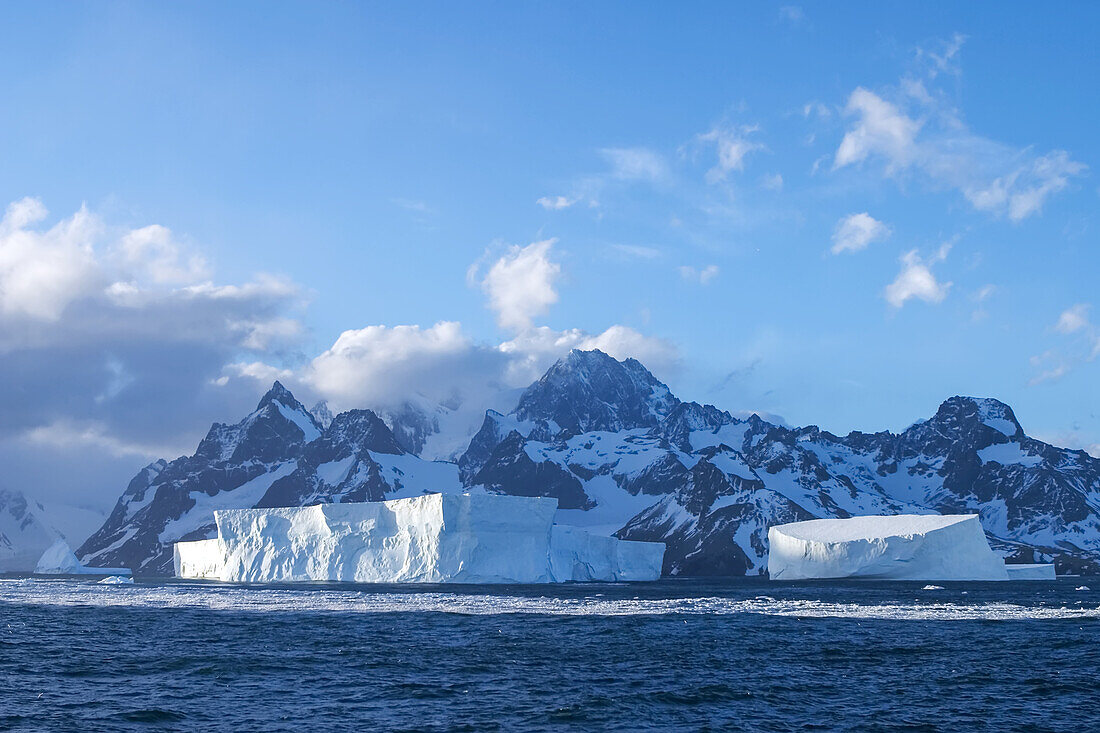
pixel 624 456
pixel 278 455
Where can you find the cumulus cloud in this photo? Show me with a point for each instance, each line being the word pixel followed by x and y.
pixel 531 353
pixel 702 275
pixel 732 145
pixel 111 338
pixel 855 231
pixel 916 280
pixel 520 284
pixel 42 271
pixel 380 366
pixel 153 254
pixel 916 133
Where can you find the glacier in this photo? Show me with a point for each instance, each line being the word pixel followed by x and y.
pixel 899 547
pixel 432 538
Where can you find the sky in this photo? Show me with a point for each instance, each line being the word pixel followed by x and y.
pixel 837 215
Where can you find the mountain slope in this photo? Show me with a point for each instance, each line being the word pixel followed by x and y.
pixel 610 441
pixel 277 456
pixel 624 456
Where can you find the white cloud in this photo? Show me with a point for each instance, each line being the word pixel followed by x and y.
pixel 153 255
pixel 556 203
pixel 520 284
pixel 530 354
pixel 380 364
pixel 916 280
pixel 1050 367
pixel 702 275
pixel 992 177
pixel 637 251
pixel 881 129
pixel 855 231
pixel 792 14
pixel 733 146
pixel 635 164
pixel 41 272
pixel 1023 191
pixel 111 338
pixel 942 60
pixel 383 365
pixel 69 435
pixel 414 205
pixel 1074 319
pixel 772 182
pixel 1084 346
pixel 980 296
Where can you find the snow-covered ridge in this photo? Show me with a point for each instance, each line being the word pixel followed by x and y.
pixel 624 457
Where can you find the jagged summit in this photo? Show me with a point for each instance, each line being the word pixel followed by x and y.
pixel 624 456
pixel 589 390
pixel 964 413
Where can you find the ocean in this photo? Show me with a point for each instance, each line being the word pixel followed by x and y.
pixel 739 654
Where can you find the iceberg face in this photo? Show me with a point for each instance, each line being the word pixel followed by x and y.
pixel 1030 571
pixel 903 547
pixel 435 538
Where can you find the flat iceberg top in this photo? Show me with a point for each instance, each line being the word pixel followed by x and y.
pixel 869 528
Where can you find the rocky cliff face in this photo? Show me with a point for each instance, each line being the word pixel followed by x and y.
pixel 719 482
pixel 280 455
pixel 624 456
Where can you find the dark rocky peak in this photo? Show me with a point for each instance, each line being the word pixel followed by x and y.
pixel 276 430
pixel 281 395
pixel 963 424
pixel 359 430
pixel 688 417
pixel 589 390
pixel 509 470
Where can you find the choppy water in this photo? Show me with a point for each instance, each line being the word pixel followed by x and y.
pixel 674 655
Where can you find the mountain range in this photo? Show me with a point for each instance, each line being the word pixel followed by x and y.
pixel 624 456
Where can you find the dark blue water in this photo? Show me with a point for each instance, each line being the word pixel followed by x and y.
pixel 673 655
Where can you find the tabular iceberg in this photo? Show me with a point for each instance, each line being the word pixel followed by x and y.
pixel 902 547
pixel 435 538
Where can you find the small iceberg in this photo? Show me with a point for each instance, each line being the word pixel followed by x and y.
pixel 59 559
pixel 117 580
pixel 932 587
pixel 1082 587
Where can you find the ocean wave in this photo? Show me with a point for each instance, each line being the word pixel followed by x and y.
pixel 322 600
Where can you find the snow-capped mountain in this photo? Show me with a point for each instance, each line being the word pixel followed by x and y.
pixel 278 455
pixel 28 528
pixel 624 456
pixel 621 453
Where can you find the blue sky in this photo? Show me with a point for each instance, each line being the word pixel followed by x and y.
pixel 838 214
